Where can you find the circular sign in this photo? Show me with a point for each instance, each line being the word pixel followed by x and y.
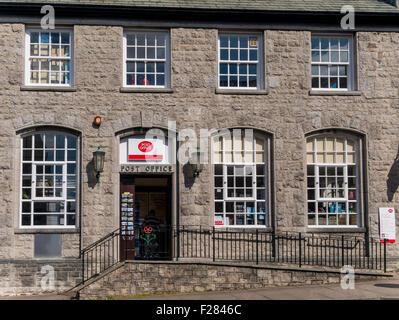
pixel 145 146
pixel 390 210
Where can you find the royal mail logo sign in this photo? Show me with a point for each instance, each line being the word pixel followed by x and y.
pixel 146 146
pixel 146 149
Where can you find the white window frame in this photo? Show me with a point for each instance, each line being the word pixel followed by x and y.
pixel 28 31
pixel 266 142
pixel 166 60
pixel 259 62
pixel 317 181
pixel 33 175
pixel 225 182
pixel 351 82
pixel 345 199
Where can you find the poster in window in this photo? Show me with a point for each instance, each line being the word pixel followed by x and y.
pixel 219 221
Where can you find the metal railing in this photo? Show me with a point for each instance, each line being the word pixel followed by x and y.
pixel 100 255
pixel 144 244
pixel 250 246
pixel 259 246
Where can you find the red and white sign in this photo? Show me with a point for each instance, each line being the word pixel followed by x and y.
pixel 146 149
pixel 219 221
pixel 387 224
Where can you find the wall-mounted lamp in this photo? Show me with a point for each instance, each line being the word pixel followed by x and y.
pixel 97 121
pixel 98 159
pixel 195 163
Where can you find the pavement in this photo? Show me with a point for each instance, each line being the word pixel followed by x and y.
pixel 370 290
pixel 38 297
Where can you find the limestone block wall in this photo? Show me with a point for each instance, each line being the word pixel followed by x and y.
pixel 27 277
pixel 153 278
pixel 287 112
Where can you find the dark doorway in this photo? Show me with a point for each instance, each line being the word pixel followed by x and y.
pixel 145 217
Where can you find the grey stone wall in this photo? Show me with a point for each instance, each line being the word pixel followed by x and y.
pixel 153 278
pixel 288 112
pixel 29 277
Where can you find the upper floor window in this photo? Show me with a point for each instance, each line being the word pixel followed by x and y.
pixel 241 178
pixel 49 180
pixel 49 57
pixel 332 63
pixel 240 61
pixel 333 181
pixel 146 59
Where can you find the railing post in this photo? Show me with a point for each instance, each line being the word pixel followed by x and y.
pixel 183 233
pixel 126 244
pixel 213 240
pixel 300 249
pixel 385 255
pixel 178 243
pixel 83 268
pixel 273 244
pixel 257 244
pixel 343 253
pixel 200 238
pixel 367 245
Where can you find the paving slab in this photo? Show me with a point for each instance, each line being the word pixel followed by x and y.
pixel 370 290
pixel 38 297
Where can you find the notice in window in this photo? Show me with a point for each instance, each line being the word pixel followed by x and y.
pixel 219 221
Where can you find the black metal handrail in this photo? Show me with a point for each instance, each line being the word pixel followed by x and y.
pixel 152 243
pixel 100 255
pixel 100 240
pixel 254 246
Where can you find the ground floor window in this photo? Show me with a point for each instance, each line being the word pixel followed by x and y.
pixel 240 178
pixel 49 180
pixel 333 180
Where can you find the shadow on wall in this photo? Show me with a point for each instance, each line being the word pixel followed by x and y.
pixel 393 178
pixel 188 176
pixel 91 174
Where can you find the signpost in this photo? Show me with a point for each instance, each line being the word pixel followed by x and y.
pixel 387 225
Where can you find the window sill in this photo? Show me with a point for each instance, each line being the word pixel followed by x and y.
pixel 145 90
pixel 241 92
pixel 43 260
pixel 335 230
pixel 35 231
pixel 334 93
pixel 48 88
pixel 243 228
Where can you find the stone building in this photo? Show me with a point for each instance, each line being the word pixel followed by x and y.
pixel 300 116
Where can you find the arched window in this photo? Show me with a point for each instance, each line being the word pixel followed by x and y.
pixel 333 180
pixel 49 180
pixel 240 159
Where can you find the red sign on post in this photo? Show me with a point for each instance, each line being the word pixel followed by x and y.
pixel 387 225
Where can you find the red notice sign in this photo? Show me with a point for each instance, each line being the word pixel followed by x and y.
pixel 387 225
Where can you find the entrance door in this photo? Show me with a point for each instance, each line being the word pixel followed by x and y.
pixel 152 217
